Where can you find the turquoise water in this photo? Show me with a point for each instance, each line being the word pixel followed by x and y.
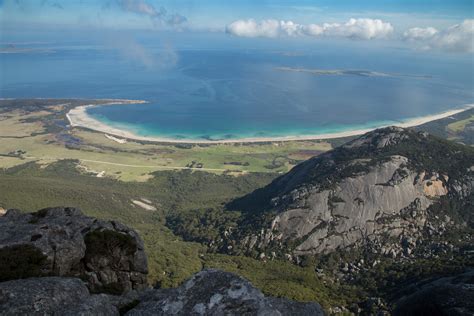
pixel 235 91
pixel 143 131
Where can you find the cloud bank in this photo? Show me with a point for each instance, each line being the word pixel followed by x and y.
pixel 354 28
pixel 457 38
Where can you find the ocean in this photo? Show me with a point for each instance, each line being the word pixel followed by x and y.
pixel 216 90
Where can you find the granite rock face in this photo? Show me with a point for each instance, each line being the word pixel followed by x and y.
pixel 107 254
pixel 445 296
pixel 389 198
pixel 52 295
pixel 376 189
pixel 214 292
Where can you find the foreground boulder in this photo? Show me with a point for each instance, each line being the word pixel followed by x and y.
pixel 209 292
pixel 444 296
pixel 214 292
pixel 109 256
pixel 52 295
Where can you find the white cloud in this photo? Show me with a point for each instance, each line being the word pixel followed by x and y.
pixel 457 38
pixel 142 7
pixel 251 28
pixel 418 33
pixel 359 28
pixel 354 28
pixel 313 30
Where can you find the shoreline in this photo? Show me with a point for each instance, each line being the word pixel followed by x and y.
pixel 78 117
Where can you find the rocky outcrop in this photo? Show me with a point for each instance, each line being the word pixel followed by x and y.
pixel 108 257
pixel 64 242
pixel 389 198
pixel 209 292
pixel 213 292
pixel 445 296
pixel 52 295
pixel 377 189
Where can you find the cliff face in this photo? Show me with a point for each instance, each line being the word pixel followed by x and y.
pixel 382 188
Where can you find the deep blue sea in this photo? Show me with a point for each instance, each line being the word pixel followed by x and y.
pixel 218 90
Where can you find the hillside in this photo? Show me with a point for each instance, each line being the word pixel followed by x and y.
pixel 392 207
pixel 391 188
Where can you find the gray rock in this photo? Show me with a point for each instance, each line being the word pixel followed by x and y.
pixel 52 295
pixel 213 292
pixel 444 296
pixel 359 207
pixel 350 196
pixel 109 255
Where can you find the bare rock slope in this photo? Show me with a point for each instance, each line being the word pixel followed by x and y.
pixel 387 187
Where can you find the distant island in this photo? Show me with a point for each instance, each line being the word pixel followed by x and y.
pixel 349 72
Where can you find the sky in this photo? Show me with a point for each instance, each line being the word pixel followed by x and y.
pixel 422 24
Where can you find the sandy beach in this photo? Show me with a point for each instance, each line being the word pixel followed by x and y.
pixel 78 117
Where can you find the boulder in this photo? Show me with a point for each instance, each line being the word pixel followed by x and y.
pixel 61 241
pixel 214 292
pixel 52 295
pixel 444 296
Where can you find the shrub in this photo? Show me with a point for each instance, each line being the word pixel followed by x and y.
pixel 21 261
pixel 103 243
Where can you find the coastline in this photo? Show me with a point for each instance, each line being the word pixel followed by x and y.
pixel 78 117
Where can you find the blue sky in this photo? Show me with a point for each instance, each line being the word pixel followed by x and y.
pixel 427 23
pixel 215 14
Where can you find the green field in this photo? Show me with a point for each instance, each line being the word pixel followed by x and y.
pixel 459 126
pixel 41 134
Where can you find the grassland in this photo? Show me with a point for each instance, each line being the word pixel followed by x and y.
pixel 41 134
pixel 459 126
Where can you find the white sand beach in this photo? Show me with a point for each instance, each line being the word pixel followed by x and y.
pixel 78 117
